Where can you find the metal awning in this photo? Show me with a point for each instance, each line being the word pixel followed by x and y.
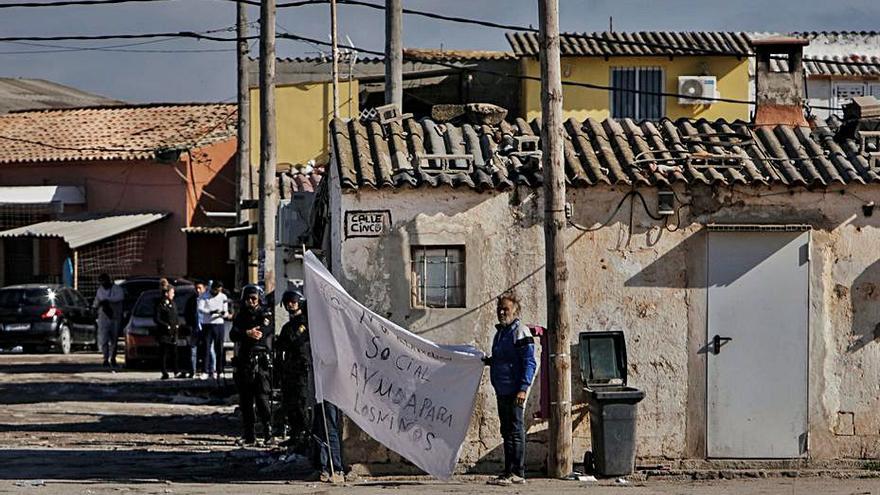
pixel 88 228
pixel 37 195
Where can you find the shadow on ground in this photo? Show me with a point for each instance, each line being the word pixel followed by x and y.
pixel 130 465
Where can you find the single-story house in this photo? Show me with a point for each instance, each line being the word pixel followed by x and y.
pixel 126 189
pixel 683 233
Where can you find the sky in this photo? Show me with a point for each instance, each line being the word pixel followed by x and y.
pixel 180 70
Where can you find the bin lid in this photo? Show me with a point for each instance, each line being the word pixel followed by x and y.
pixel 602 357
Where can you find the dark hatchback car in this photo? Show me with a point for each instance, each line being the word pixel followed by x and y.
pixel 141 346
pixel 45 316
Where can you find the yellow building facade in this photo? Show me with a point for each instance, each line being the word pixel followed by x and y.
pixel 732 76
pixel 302 116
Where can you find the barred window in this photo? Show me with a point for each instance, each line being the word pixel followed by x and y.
pixel 438 277
pixel 632 104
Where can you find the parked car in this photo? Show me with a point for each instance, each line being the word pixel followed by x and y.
pixel 35 316
pixel 133 287
pixel 141 345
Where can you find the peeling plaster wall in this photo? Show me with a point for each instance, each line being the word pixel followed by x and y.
pixel 647 281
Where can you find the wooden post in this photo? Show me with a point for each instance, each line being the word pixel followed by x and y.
pixel 268 204
pixel 244 184
pixel 394 53
pixel 335 51
pixel 559 463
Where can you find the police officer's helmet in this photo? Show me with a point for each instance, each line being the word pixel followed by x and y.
pixel 292 296
pixel 249 290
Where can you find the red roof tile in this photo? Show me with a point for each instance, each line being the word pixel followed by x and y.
pixel 112 133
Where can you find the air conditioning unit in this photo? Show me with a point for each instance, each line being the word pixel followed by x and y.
pixel 693 90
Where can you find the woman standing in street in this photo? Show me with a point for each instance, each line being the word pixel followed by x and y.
pixel 511 370
pixel 167 324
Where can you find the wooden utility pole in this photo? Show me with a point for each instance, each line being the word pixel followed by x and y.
pixel 335 68
pixel 268 190
pixel 556 270
pixel 244 186
pixel 394 53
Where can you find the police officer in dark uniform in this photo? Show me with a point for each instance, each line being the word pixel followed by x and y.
pixel 297 385
pixel 252 331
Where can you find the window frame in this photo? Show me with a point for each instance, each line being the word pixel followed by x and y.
pixel 420 283
pixel 639 113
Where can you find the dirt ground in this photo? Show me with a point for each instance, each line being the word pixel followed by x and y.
pixel 69 427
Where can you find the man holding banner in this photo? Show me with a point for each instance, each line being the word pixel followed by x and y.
pixel 412 395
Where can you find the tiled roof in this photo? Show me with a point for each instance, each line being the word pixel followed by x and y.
pixel 432 55
pixel 614 152
pixel 29 94
pixel 295 181
pixel 830 65
pixel 133 132
pixel 651 43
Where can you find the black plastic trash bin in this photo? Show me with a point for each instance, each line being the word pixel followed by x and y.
pixel 613 405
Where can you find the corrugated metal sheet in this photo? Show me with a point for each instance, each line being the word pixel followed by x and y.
pixel 85 229
pixel 645 43
pixel 30 94
pixel 614 152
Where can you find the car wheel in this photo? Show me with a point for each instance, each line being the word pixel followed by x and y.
pixel 64 343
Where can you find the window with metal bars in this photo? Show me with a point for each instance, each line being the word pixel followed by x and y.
pixel 438 277
pixel 633 105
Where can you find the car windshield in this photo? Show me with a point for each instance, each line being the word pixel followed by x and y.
pixel 12 298
pixel 146 304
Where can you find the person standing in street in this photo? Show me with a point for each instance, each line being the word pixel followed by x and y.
pixel 327 434
pixel 252 331
pixel 297 385
pixel 108 302
pixel 213 310
pixel 512 368
pixel 193 321
pixel 167 324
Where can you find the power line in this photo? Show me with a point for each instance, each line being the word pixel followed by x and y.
pixel 457 19
pixel 521 77
pixel 179 34
pixel 65 3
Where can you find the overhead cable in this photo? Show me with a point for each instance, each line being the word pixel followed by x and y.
pixel 517 76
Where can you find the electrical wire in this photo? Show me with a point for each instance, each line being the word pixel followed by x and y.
pixel 462 20
pixel 629 195
pixel 517 76
pixel 124 36
pixel 121 47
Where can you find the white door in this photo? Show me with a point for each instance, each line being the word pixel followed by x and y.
pixel 756 345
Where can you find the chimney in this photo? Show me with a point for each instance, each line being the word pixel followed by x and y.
pixel 779 81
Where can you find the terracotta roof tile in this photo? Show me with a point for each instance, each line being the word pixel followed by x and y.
pixel 613 152
pixel 112 133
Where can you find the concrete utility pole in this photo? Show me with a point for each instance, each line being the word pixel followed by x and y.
pixel 268 189
pixel 556 270
pixel 335 68
pixel 394 53
pixel 244 186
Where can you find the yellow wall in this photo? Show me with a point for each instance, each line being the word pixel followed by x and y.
pixel 732 82
pixel 302 114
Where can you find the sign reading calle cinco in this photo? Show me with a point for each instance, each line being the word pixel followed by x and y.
pixel 367 223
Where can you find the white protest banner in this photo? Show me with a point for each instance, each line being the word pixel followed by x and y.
pixel 412 395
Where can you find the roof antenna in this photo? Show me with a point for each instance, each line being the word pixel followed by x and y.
pixel 610 23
